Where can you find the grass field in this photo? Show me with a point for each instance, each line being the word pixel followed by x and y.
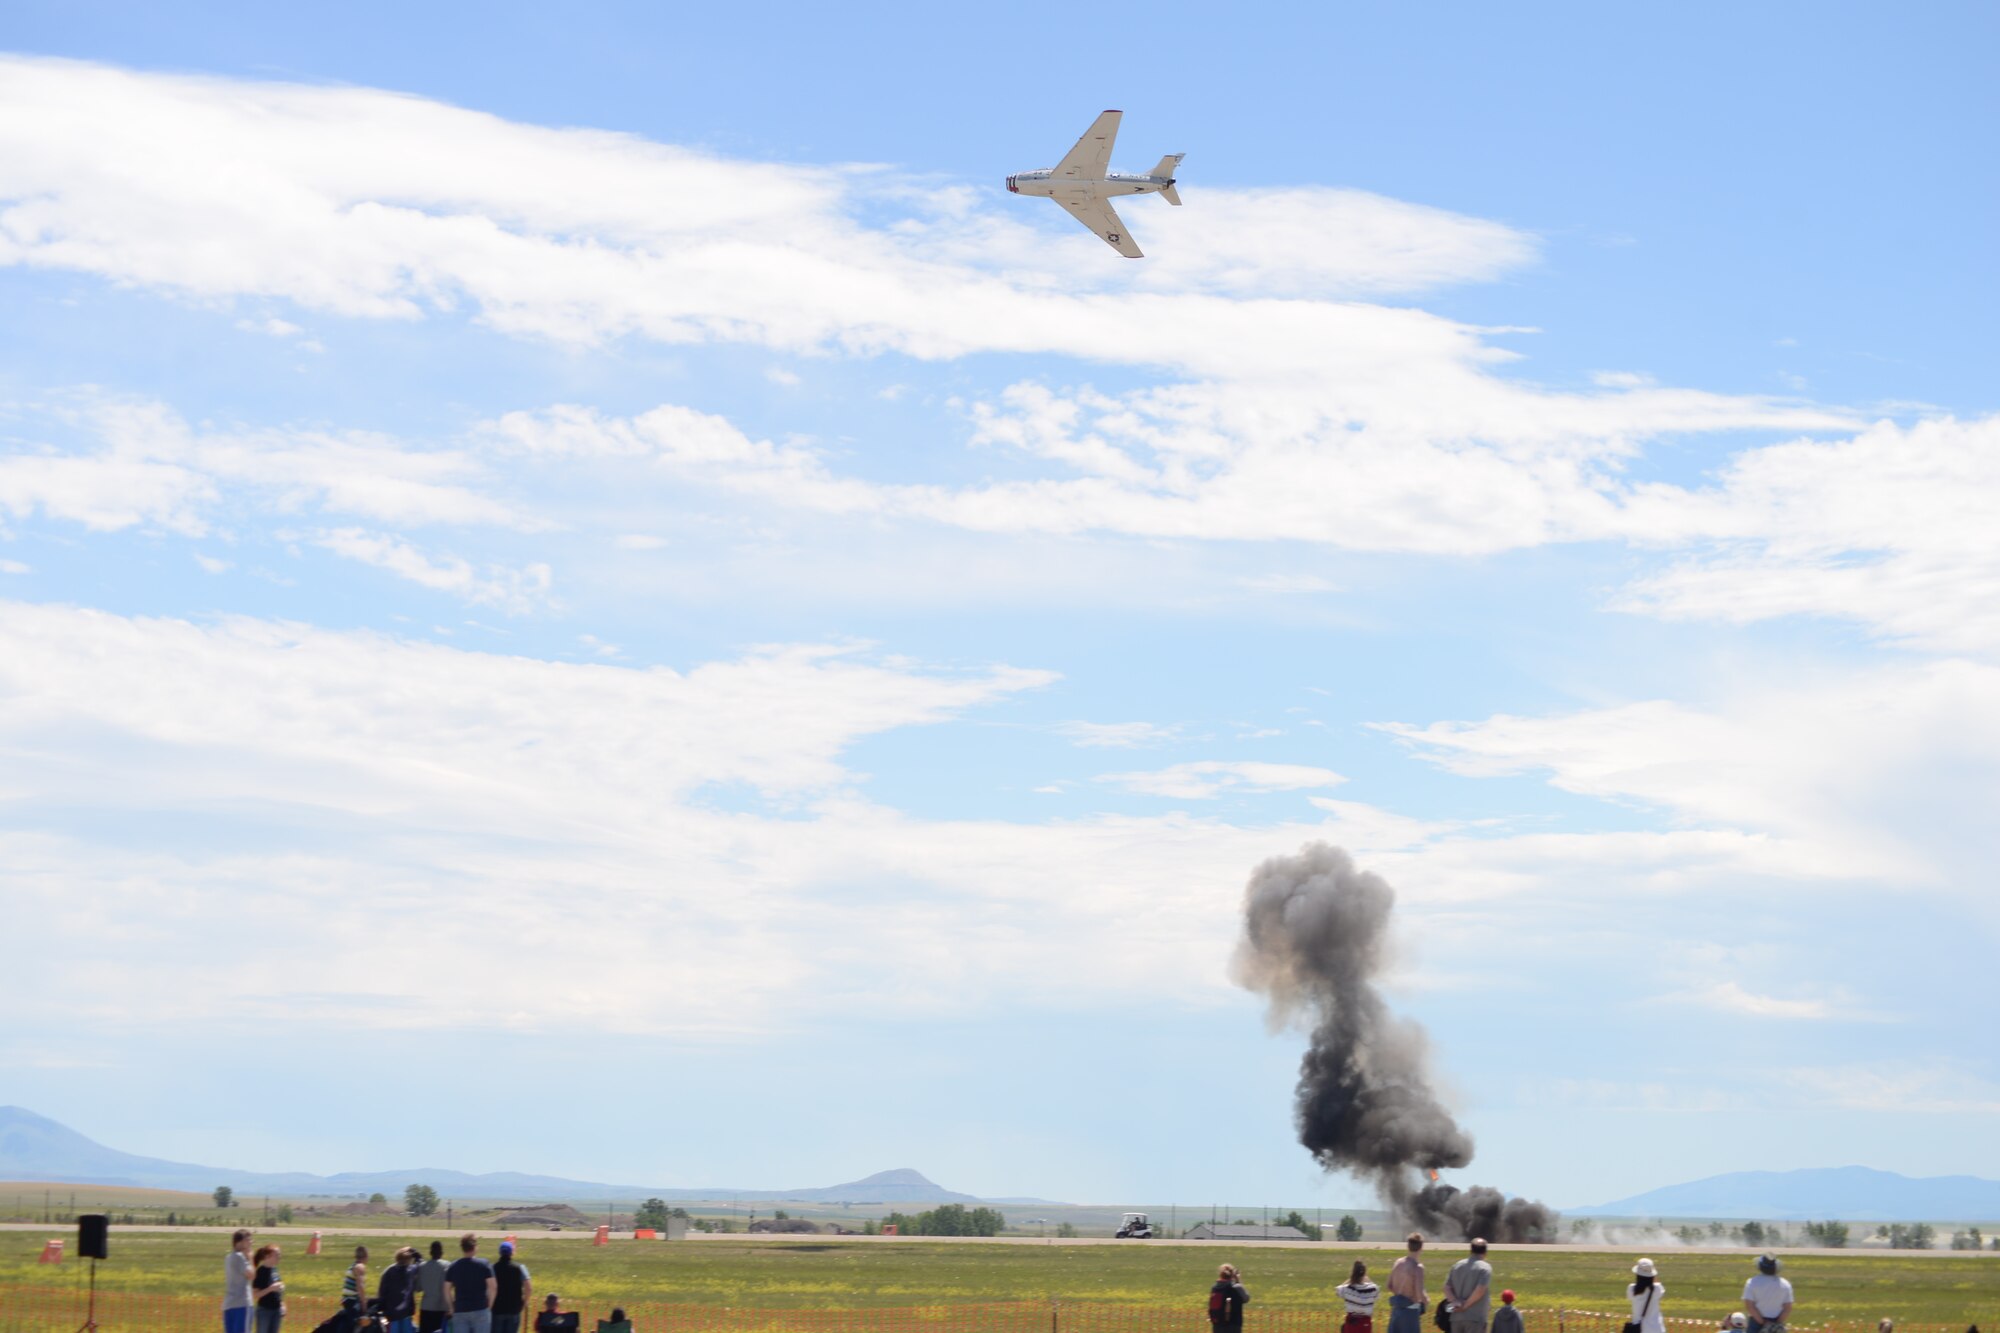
pixel 1934 1288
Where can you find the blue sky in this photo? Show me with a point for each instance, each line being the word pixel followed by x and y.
pixel 604 552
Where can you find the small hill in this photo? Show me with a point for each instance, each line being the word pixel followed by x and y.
pixel 901 1185
pixel 1849 1193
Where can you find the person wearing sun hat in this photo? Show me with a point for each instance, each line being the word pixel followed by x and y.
pixel 1767 1298
pixel 1507 1319
pixel 1647 1294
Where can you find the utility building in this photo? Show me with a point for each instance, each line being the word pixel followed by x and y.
pixel 1236 1231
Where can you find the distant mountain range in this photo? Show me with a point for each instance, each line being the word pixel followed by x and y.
pixel 34 1147
pixel 1846 1193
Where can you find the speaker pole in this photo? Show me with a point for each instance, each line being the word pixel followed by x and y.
pixel 89 1324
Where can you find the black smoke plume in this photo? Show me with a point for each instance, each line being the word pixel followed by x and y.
pixel 1314 938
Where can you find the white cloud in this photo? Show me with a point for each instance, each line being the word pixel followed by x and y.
pixel 1302 417
pixel 1115 735
pixel 1902 1087
pixel 212 564
pixel 515 590
pixel 1206 779
pixel 1898 1087
pixel 1730 997
pixel 1869 773
pixel 1891 528
pixel 333 780
pixel 271 327
pixel 113 464
pixel 13 567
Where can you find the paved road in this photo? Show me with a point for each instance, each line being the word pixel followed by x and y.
pixel 762 1238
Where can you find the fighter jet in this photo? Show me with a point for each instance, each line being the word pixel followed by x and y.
pixel 1083 183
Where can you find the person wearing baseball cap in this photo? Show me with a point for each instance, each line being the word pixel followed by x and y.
pixel 1647 1295
pixel 1507 1319
pixel 512 1291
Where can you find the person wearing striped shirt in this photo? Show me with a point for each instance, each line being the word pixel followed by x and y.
pixel 1359 1295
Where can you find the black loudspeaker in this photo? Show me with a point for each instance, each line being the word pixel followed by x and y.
pixel 93 1236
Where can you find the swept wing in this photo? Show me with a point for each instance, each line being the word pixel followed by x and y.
pixel 1091 158
pixel 1102 218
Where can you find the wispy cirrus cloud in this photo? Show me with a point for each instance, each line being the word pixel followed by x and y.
pixel 1205 779
pixel 1115 735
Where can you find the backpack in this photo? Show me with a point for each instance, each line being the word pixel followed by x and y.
pixel 1442 1317
pixel 1218 1304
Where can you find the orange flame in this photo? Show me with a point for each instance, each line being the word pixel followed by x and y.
pixel 1434 1174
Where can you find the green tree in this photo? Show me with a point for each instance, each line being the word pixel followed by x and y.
pixel 1297 1219
pixel 378 1198
pixel 420 1201
pixel 225 1197
pixel 1752 1233
pixel 284 1214
pixel 1828 1235
pixel 1066 1230
pixel 652 1213
pixel 1349 1228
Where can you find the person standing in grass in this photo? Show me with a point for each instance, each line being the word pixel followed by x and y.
pixel 430 1286
pixel 1767 1298
pixel 1359 1295
pixel 1226 1300
pixel 1647 1294
pixel 267 1289
pixel 1406 1289
pixel 354 1283
pixel 236 1284
pixel 512 1290
pixel 468 1289
pixel 396 1294
pixel 1466 1287
pixel 1507 1319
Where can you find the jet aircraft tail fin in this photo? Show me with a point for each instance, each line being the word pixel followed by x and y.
pixel 1169 166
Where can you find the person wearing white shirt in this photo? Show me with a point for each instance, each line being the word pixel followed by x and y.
pixel 1647 1294
pixel 1767 1298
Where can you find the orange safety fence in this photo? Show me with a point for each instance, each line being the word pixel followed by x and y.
pixel 60 1309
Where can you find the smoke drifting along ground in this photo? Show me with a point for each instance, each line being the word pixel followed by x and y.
pixel 1314 938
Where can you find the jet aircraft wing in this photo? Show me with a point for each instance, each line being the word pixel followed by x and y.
pixel 1102 218
pixel 1091 158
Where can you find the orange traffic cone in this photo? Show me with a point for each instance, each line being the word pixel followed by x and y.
pixel 52 1252
pixel 312 1246
pixel 603 1236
